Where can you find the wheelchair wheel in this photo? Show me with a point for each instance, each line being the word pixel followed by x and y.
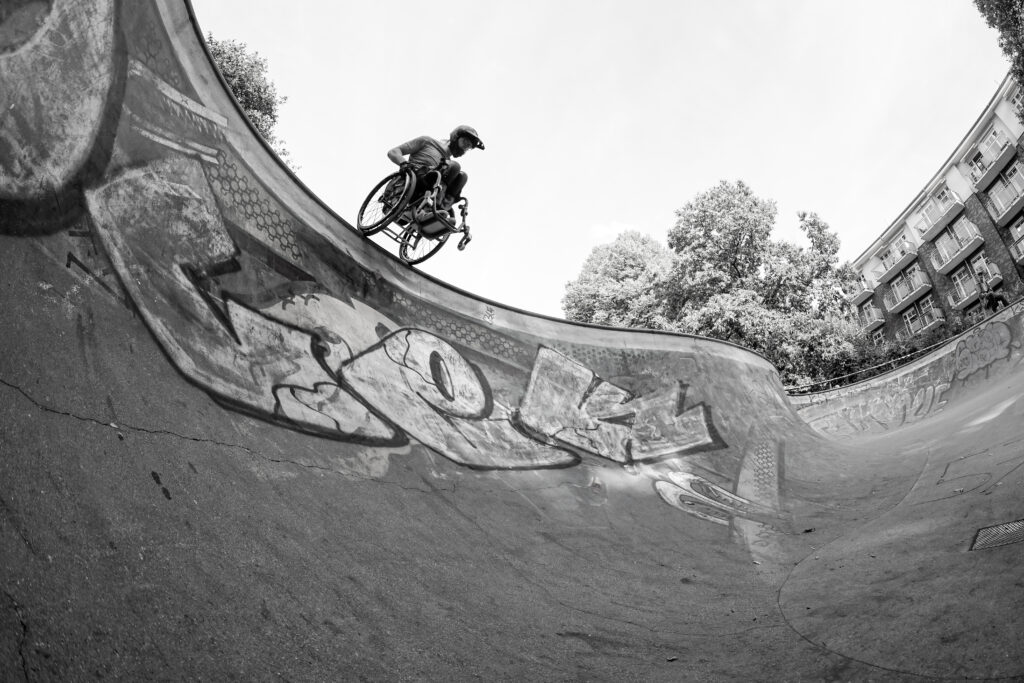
pixel 415 248
pixel 386 202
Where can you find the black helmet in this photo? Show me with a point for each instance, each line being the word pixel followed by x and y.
pixel 466 131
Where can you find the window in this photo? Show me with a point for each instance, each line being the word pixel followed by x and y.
pixel 1017 99
pixel 1007 187
pixel 953 239
pixel 877 337
pixel 988 150
pixel 992 144
pixel 1017 235
pixel 910 318
pixel 937 205
pixel 964 283
pixel 867 313
pixel 978 165
pixel 927 306
pixel 907 281
pixel 1017 229
pixel 899 248
pixel 979 265
pixel 920 315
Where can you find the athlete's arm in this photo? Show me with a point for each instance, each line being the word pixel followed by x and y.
pixel 397 155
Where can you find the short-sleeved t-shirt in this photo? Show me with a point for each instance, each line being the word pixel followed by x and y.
pixel 425 153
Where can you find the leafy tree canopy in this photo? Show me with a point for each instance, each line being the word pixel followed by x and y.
pixel 1007 17
pixel 723 276
pixel 246 75
pixel 723 241
pixel 619 284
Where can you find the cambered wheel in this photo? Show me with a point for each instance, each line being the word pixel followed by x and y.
pixel 415 248
pixel 386 202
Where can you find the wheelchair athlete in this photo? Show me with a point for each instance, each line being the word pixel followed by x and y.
pixel 427 154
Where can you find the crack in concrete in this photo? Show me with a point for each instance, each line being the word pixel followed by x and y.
pixel 10 513
pixel 127 427
pixel 24 634
pixel 279 461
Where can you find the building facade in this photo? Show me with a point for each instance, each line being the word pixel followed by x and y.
pixel 962 235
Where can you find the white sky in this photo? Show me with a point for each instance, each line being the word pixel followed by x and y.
pixel 606 115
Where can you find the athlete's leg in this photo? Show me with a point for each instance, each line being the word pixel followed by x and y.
pixel 455 180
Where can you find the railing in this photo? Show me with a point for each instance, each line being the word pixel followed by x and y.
pixel 869 316
pixel 924 321
pixel 901 253
pixel 902 288
pixel 966 291
pixel 962 234
pixel 1017 249
pixel 933 212
pixel 862 291
pixel 1011 186
pixel 963 293
pixel 989 156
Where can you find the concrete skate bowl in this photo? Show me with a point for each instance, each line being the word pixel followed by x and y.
pixel 241 442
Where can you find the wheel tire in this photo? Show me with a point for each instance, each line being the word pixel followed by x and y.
pixel 374 215
pixel 415 248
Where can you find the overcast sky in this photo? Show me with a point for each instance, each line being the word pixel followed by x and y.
pixel 606 115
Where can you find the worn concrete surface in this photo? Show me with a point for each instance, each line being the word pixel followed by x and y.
pixel 238 441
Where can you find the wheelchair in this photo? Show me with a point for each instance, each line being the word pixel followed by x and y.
pixel 412 216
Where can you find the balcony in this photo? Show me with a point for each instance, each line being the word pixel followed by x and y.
pixel 871 318
pixel 905 291
pixel 951 252
pixel 1005 198
pixel 1017 249
pixel 935 217
pixel 991 163
pixel 894 264
pixel 966 293
pixel 865 290
pixel 928 321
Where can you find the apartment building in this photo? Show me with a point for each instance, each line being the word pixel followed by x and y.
pixel 962 233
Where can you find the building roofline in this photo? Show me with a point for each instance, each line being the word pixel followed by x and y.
pixel 945 166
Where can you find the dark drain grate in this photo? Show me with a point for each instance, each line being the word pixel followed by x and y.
pixel 1000 534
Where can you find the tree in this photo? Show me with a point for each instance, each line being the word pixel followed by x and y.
pixel 620 284
pixel 721 239
pixel 246 76
pixel 1007 17
pixel 723 242
pixel 725 278
pixel 803 346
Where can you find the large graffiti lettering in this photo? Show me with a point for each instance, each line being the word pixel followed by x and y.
pixel 423 384
pixel 250 304
pixel 568 402
pixel 47 133
pixel 881 409
pixel 923 388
